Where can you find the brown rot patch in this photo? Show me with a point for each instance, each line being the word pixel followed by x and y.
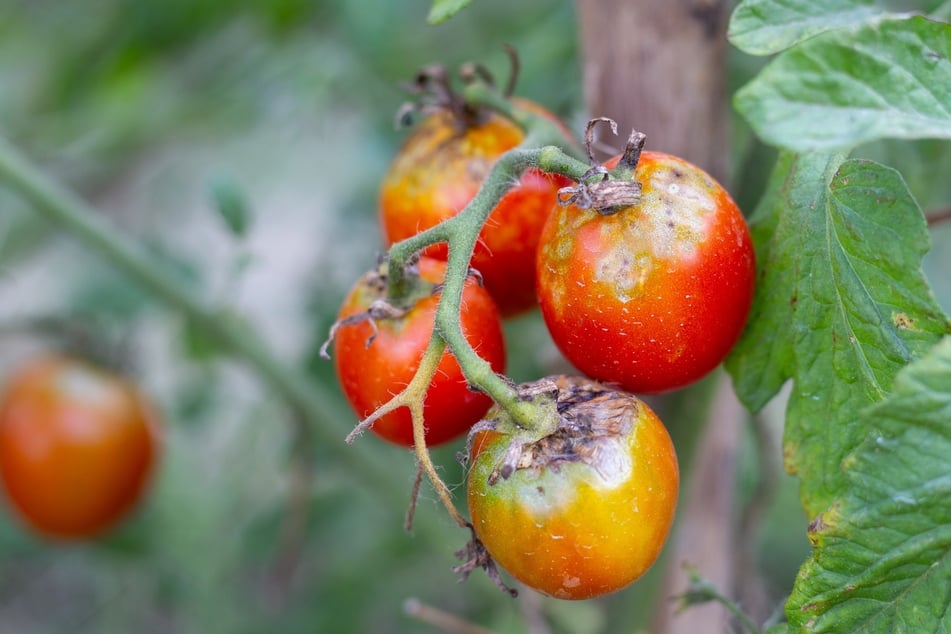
pixel 594 420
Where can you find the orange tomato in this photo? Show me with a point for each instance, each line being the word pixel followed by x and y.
pixel 586 509
pixel 77 446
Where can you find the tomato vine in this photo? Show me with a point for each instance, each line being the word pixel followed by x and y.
pixel 543 149
pixel 536 413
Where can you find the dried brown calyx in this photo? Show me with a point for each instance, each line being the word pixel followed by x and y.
pixel 375 282
pixel 597 189
pixel 592 419
pixel 433 91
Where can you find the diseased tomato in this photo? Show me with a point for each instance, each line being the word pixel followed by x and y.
pixel 375 361
pixel 585 510
pixel 77 446
pixel 438 171
pixel 654 296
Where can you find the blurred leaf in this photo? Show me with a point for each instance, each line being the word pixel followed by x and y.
pixel 841 307
pixel 442 10
pixel 106 294
pixel 197 344
pixel 846 87
pixel 232 205
pixel 882 559
pixel 764 27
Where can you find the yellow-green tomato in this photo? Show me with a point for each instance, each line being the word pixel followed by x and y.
pixel 585 510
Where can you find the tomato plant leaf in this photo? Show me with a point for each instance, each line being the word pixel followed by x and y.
pixel 890 79
pixel 764 27
pixel 442 10
pixel 232 206
pixel 841 307
pixel 882 558
pixel 762 360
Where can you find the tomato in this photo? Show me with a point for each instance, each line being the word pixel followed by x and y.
pixel 654 296
pixel 438 171
pixel 77 446
pixel 587 508
pixel 372 373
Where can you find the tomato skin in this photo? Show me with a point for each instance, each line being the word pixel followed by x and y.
pixel 77 446
pixel 573 529
pixel 372 375
pixel 652 297
pixel 440 168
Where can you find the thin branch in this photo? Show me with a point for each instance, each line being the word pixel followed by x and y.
pixel 702 590
pixel 413 499
pixel 424 376
pixel 934 218
pixel 445 621
pixel 413 397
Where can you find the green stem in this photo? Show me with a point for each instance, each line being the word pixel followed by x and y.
pixel 419 386
pixel 701 591
pixel 64 208
pixel 462 232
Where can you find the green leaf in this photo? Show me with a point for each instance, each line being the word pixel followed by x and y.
pixel 764 27
pixel 442 10
pixel 882 560
pixel 232 206
pixel 891 79
pixel 841 307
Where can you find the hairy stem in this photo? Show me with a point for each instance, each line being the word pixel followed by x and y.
pixel 462 232
pixel 418 387
pixel 702 590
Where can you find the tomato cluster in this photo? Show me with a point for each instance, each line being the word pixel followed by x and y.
pixel 648 294
pixel 77 446
pixel 435 174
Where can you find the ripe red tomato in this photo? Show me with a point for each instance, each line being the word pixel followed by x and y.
pixel 372 374
pixel 587 508
pixel 77 446
pixel 654 296
pixel 438 171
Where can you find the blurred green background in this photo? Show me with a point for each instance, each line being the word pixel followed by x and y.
pixel 286 107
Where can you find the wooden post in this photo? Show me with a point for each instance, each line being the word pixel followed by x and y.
pixel 659 66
